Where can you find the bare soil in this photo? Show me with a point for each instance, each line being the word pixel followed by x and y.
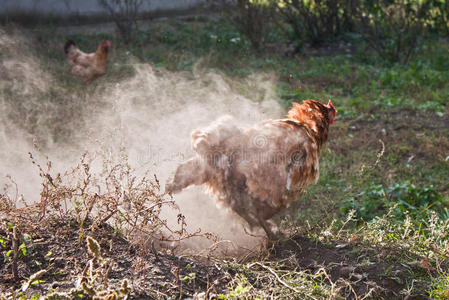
pixel 355 270
pixel 60 248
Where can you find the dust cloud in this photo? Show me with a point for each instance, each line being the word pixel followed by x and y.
pixel 148 116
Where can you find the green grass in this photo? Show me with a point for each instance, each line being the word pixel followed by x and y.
pixel 356 84
pixel 440 288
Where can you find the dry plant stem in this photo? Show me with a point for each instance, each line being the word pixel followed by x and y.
pixel 381 153
pixel 91 270
pixel 106 275
pixel 107 217
pixel 153 249
pixel 90 207
pixel 209 287
pixel 158 204
pixel 178 280
pixel 44 199
pixel 275 275
pixel 45 189
pixel 349 285
pixel 15 250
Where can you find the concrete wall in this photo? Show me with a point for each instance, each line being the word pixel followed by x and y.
pixel 84 7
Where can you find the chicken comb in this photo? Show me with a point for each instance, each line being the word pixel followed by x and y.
pixel 331 106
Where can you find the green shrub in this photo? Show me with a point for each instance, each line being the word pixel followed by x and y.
pixel 440 16
pixel 316 21
pixel 124 13
pixel 393 28
pixel 401 198
pixel 253 18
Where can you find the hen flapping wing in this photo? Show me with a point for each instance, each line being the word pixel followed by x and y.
pixel 258 170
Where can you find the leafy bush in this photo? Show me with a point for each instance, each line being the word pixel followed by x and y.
pixel 253 18
pixel 316 21
pixel 440 16
pixel 393 28
pixel 400 198
pixel 124 13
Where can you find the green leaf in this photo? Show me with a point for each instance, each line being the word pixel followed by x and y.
pixel 23 249
pixel 37 282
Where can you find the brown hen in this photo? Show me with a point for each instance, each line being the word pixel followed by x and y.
pixel 87 66
pixel 257 171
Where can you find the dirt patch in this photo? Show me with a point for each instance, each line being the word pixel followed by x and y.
pixel 355 271
pixel 424 134
pixel 61 249
pixel 399 144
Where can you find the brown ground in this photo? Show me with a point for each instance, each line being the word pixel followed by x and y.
pixel 417 131
pixel 161 275
pixel 355 270
pixel 418 140
pixel 151 276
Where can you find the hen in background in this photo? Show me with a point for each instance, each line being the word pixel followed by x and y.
pixel 257 171
pixel 87 66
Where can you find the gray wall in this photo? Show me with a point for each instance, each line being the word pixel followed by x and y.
pixel 84 7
